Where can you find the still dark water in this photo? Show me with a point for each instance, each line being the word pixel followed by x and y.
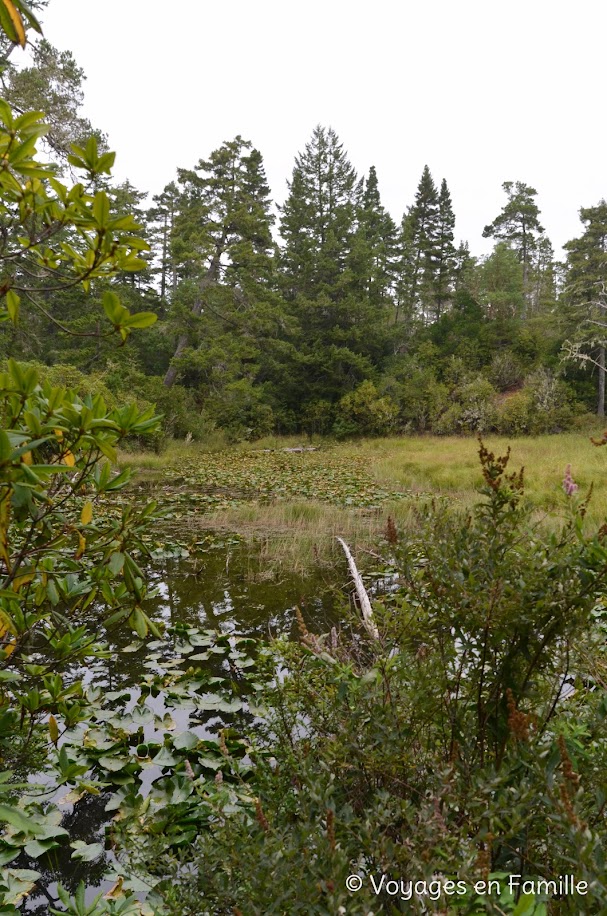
pixel 226 586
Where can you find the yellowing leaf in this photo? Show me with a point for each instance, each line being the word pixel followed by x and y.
pixel 5 517
pixel 26 458
pixel 81 547
pixel 69 459
pixel 4 550
pixel 22 580
pixel 16 21
pixel 12 305
pixel 53 729
pixel 86 516
pixel 9 648
pixel 6 624
pixel 58 433
pixel 116 891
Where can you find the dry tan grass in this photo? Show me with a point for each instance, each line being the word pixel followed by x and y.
pixel 302 532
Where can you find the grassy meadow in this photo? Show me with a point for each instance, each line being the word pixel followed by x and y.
pixel 450 466
pixel 295 503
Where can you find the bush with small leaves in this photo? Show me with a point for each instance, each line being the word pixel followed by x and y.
pixel 451 748
pixel 515 415
pixel 364 412
pixel 506 370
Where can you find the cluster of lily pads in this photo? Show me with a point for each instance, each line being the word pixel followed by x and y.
pixel 164 757
pixel 222 480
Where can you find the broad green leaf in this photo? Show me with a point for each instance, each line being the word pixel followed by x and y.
pixel 164 758
pixel 20 821
pixel 37 848
pixel 86 852
pixel 186 741
pixel 141 320
pixel 12 305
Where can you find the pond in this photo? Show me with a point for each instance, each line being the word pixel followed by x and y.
pixel 225 587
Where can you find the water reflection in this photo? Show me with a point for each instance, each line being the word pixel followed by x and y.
pixel 225 587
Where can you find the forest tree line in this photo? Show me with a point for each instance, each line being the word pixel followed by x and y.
pixel 331 317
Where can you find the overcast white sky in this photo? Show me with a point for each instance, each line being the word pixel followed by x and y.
pixel 483 92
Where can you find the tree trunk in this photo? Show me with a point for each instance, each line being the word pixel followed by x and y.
pixel 171 373
pixel 600 410
pixel 365 604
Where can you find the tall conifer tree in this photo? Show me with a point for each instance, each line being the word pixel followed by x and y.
pixel 518 224
pixel 222 241
pixel 445 252
pixel 161 219
pixel 374 257
pixel 586 291
pixel 419 250
pixel 331 263
pixel 318 218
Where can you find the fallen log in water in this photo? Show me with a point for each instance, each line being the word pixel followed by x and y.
pixel 365 604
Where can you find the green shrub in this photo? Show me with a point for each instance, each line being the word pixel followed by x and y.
pixel 364 413
pixel 450 422
pixel 422 401
pixel 473 411
pixel 478 405
pixel 549 397
pixel 318 417
pixel 69 377
pixel 455 372
pixel 515 415
pixel 442 749
pixel 505 371
pixel 240 410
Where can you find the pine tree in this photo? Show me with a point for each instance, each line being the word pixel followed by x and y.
pixel 318 218
pixel 419 251
pixel 222 241
pixel 161 220
pixel 335 275
pixel 53 84
pixel 586 292
pixel 543 278
pixel 464 269
pixel 374 256
pixel 445 252
pixel 501 289
pixel 519 226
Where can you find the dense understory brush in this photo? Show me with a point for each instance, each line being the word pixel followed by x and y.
pixel 466 744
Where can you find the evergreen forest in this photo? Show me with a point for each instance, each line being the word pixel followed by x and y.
pixel 326 315
pixel 303 533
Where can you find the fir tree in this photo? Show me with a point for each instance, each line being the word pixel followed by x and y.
pixel 445 252
pixel 586 293
pixel 161 220
pixel 543 278
pixel 221 238
pixel 318 218
pixel 501 289
pixel 519 226
pixel 419 250
pixel 374 256
pixel 464 269
pixel 334 275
